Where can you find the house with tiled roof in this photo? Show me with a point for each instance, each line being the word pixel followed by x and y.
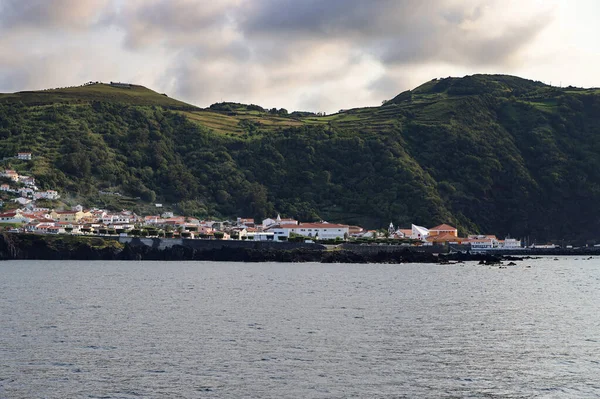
pixel 355 231
pixel 268 222
pixel 404 233
pixel 248 222
pixel 11 174
pixel 69 216
pixel 14 217
pixel 446 238
pixel 483 243
pixel 443 229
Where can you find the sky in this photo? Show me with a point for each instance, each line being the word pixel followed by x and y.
pixel 309 55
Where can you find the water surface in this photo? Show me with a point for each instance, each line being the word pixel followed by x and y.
pixel 234 330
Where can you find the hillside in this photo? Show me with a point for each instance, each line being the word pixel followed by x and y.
pixel 490 153
pixel 116 93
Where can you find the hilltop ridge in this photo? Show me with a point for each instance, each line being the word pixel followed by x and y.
pixel 96 91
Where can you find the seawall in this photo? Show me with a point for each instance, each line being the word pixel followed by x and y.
pixel 164 243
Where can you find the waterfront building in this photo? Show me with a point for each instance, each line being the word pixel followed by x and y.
pixel 443 229
pixel 321 231
pixel 419 232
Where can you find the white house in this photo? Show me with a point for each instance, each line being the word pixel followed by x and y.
pixel 116 219
pixel 322 231
pixel 268 222
pixel 483 243
pixel 48 194
pixel 511 243
pixel 13 217
pixel 25 156
pixel 41 228
pixel 11 174
pixel 261 236
pixel 419 232
pixel 22 201
pixel 27 180
pixel 26 192
pixel 544 246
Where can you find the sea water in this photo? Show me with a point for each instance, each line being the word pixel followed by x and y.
pixel 266 330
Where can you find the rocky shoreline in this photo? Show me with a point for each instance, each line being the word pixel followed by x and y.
pixel 29 246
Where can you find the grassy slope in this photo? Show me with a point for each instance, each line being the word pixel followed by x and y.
pixel 136 95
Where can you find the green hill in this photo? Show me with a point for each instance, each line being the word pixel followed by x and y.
pixel 489 153
pixel 122 93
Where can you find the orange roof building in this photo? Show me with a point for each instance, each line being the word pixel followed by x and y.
pixel 443 229
pixel 446 238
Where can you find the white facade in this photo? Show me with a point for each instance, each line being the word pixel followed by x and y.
pixel 48 194
pixel 14 217
pixel 26 156
pixel 22 200
pixel 268 222
pixel 271 222
pixel 511 243
pixel 112 219
pixel 484 244
pixel 11 174
pixel 480 243
pixel 419 232
pixel 322 231
pixel 261 236
pixel 544 246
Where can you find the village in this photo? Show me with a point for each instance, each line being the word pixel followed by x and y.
pixel 28 217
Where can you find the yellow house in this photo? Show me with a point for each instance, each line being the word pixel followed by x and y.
pixel 69 216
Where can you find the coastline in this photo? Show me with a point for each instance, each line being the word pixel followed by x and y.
pixel 38 247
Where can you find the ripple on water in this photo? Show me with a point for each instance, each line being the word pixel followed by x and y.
pixel 202 329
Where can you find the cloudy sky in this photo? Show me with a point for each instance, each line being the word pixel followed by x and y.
pixel 316 55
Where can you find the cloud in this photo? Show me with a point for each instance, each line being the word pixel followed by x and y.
pixel 173 22
pixel 55 14
pixel 400 32
pixel 309 54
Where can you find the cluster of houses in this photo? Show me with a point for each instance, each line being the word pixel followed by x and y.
pixel 78 220
pixel 24 186
pixel 28 191
pixel 445 234
pixel 98 221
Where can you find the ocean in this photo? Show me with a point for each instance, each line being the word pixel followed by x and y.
pixel 76 329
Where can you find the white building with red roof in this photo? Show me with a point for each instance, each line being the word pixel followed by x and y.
pixel 14 217
pixel 268 222
pixel 322 231
pixel 11 174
